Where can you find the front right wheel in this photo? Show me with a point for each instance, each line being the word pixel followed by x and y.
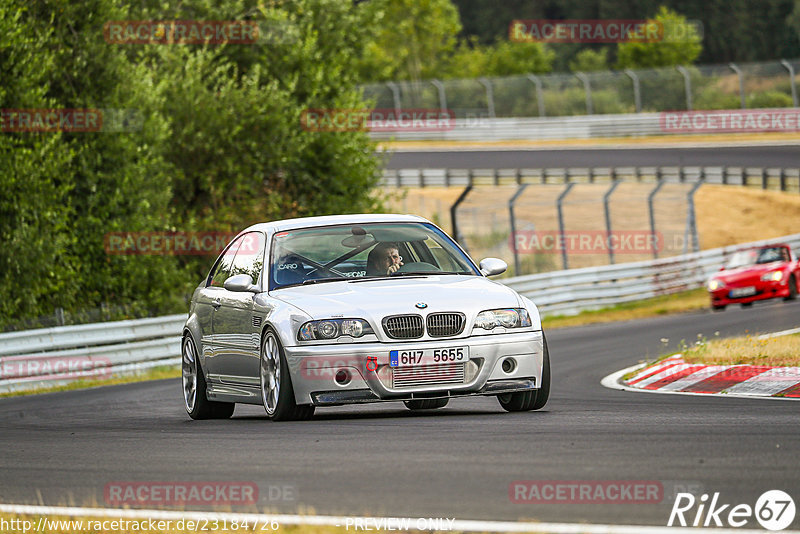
pixel 530 400
pixel 277 393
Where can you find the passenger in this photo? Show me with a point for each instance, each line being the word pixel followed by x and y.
pixel 384 259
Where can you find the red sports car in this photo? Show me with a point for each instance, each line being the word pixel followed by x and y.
pixel 760 273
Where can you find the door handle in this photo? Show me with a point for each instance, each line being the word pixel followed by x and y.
pixel 216 304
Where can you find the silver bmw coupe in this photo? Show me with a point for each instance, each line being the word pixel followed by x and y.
pixel 348 309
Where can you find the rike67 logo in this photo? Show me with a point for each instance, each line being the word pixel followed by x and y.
pixel 774 510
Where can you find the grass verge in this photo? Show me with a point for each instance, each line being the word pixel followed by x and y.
pixel 781 351
pixel 156 373
pixel 696 299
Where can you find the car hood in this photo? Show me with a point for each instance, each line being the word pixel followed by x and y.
pixel 375 299
pixel 749 273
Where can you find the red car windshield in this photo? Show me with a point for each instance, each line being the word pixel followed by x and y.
pixel 744 258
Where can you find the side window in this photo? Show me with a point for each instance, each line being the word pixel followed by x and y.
pixel 223 269
pixel 249 258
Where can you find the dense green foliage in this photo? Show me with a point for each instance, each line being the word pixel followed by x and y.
pixel 220 145
pixel 734 30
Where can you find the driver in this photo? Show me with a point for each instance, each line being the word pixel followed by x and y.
pixel 384 259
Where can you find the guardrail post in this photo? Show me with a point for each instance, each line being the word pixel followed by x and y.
pixel 395 96
pixel 607 210
pixel 764 178
pixel 561 232
pixel 783 179
pixel 687 85
pixel 588 88
pixel 453 218
pixel 539 93
pixel 650 198
pixel 442 95
pixel 487 83
pixel 788 66
pixel 447 177
pixel 637 94
pixel 513 223
pixel 740 74
pixel 724 176
pixel 691 220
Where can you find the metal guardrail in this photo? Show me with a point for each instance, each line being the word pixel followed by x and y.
pixel 28 358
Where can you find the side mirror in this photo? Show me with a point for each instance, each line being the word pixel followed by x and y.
pixel 493 266
pixel 240 283
pixel 722 268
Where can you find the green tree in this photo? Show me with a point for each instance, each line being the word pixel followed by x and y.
pixel 681 50
pixel 588 60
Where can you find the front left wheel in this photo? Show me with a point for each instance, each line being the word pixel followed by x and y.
pixel 194 387
pixel 277 393
pixel 530 400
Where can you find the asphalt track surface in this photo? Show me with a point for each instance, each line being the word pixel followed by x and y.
pixel 383 460
pixel 740 156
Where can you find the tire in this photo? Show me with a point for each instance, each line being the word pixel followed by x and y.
pixel 195 398
pixel 530 400
pixel 426 404
pixel 277 393
pixel 792 289
pixel 718 307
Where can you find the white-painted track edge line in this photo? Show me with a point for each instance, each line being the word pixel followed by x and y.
pixel 467 525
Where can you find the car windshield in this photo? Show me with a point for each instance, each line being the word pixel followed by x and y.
pixel 363 251
pixel 744 258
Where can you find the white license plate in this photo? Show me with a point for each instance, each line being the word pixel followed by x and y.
pixel 743 292
pixel 413 357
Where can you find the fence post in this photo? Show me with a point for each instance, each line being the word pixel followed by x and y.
pixel 561 232
pixel 60 316
pixel 487 83
pixel 637 95
pixel 513 224
pixel 687 85
pixel 740 74
pixel 691 219
pixel 442 95
pixel 650 198
pixel 607 210
pixel 588 88
pixel 539 93
pixel 396 96
pixel 789 67
pixel 453 218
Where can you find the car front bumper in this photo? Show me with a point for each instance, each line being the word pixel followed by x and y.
pixel 314 370
pixel 763 290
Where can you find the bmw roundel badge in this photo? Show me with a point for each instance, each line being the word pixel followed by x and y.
pixel 421 305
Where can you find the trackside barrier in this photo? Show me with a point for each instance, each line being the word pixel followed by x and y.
pixel 128 346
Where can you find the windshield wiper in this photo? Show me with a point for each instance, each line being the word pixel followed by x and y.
pixel 421 273
pixel 321 280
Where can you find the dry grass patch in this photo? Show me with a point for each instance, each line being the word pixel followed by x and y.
pixel 678 303
pixel 781 351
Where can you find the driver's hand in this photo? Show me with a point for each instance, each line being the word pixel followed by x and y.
pixel 393 268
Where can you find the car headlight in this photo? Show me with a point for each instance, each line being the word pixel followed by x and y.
pixel 333 328
pixel 772 276
pixel 507 317
pixel 715 284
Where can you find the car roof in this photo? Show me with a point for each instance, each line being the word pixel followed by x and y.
pixel 330 220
